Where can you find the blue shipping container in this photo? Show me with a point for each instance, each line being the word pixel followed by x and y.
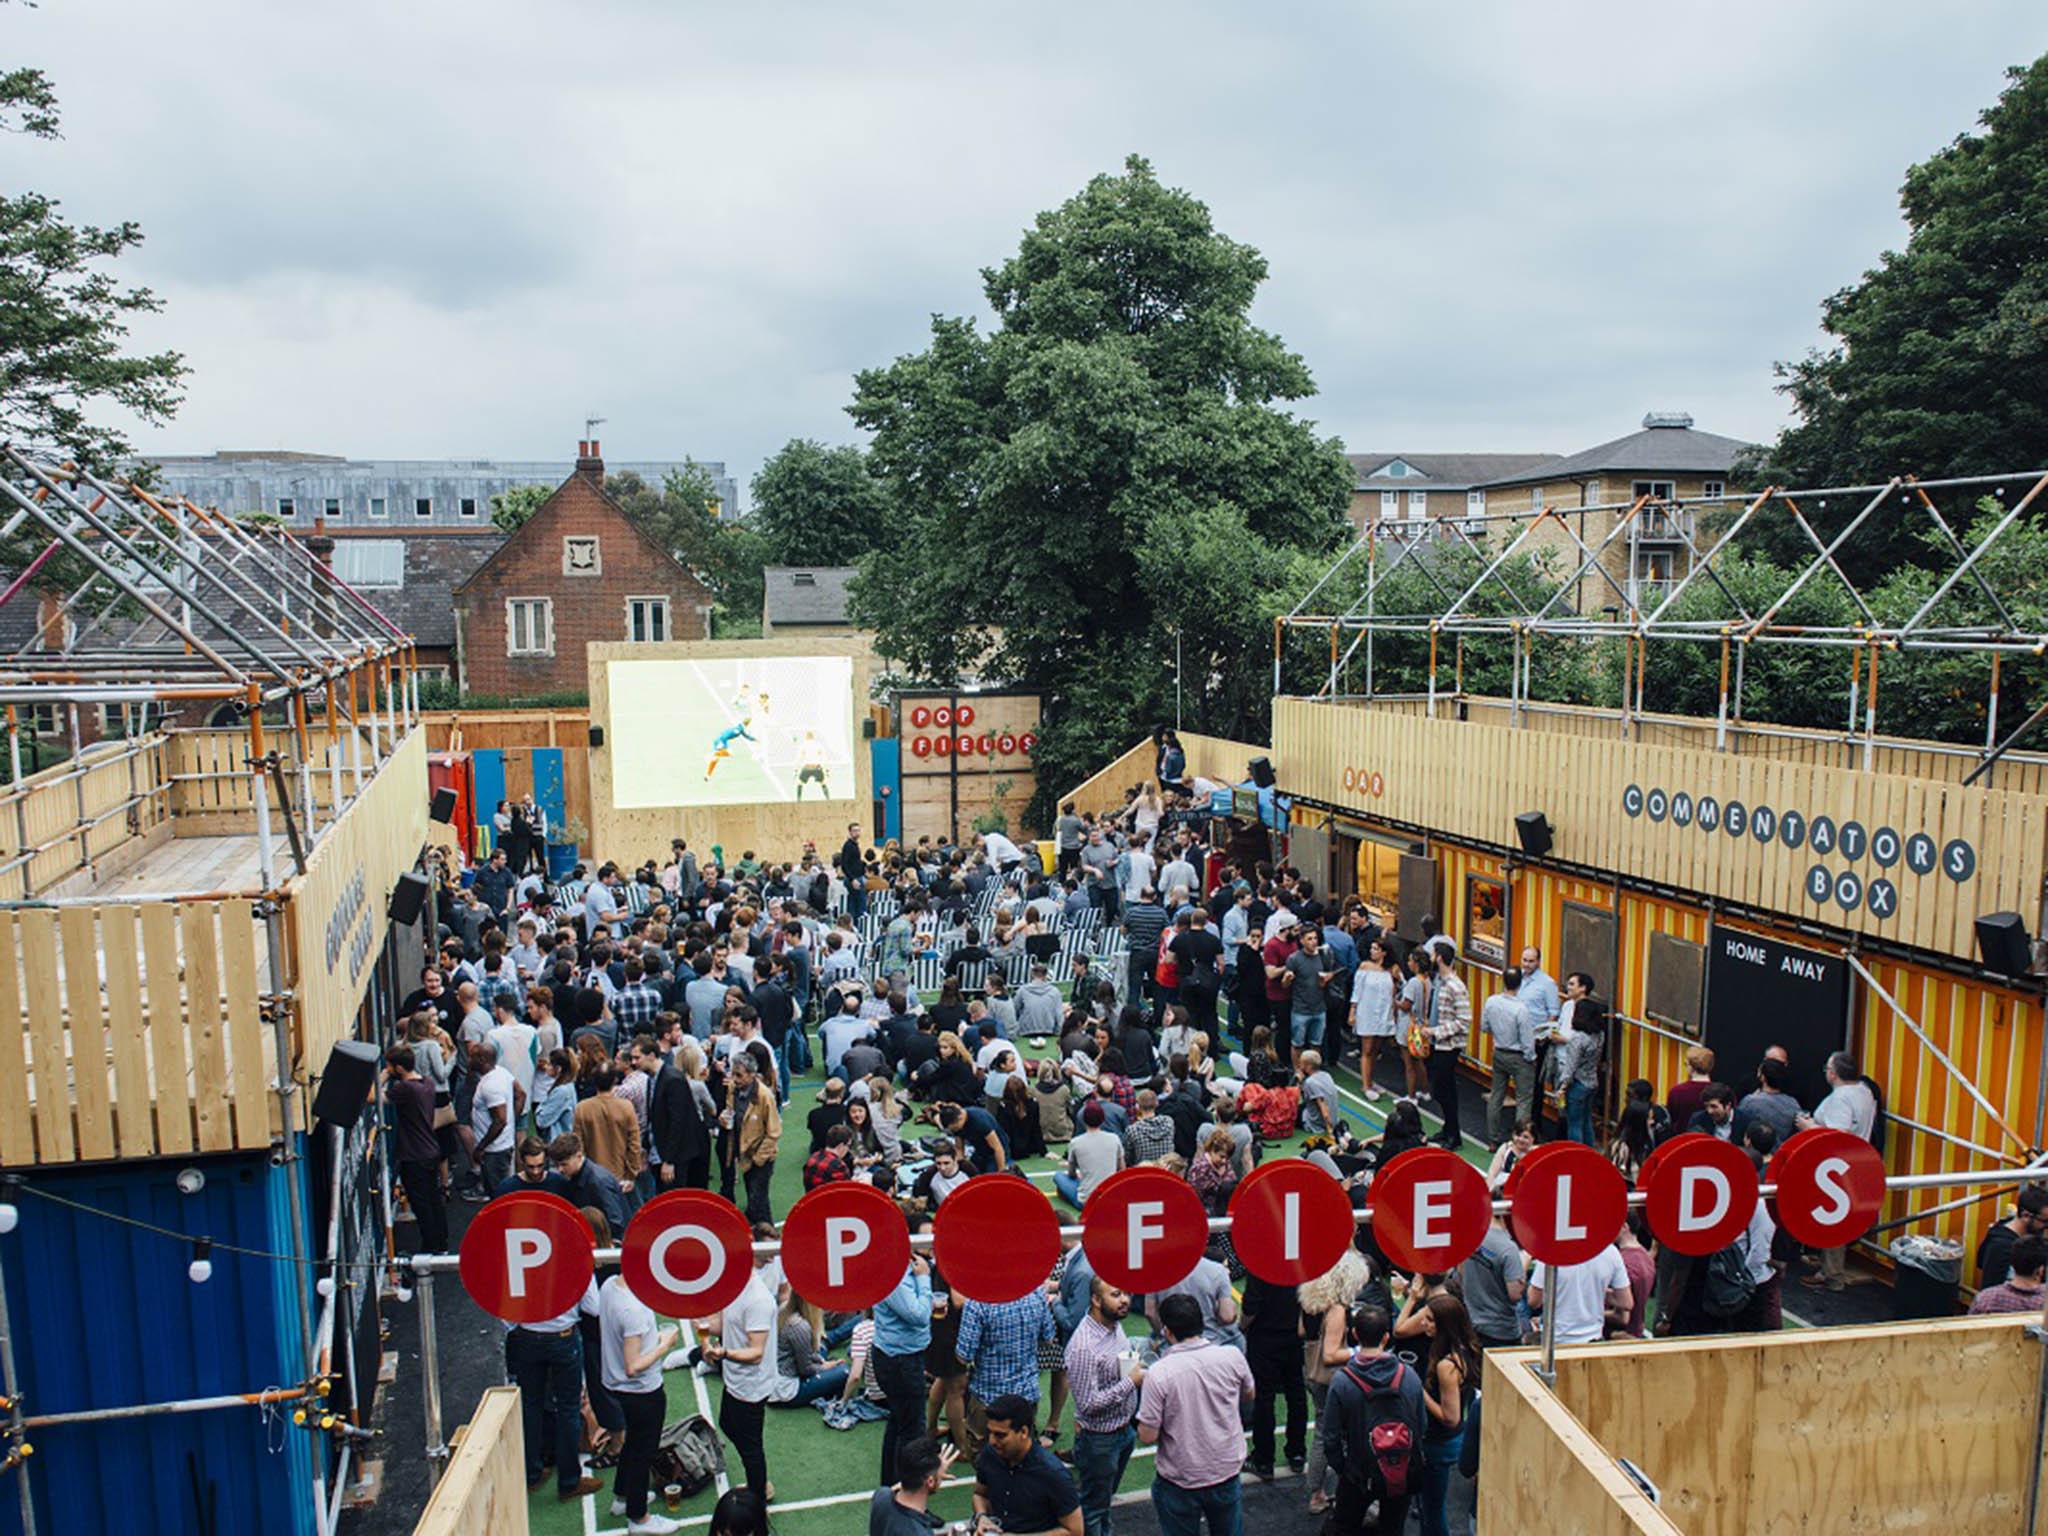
pixel 105 1316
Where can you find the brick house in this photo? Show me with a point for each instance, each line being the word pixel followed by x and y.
pixel 579 570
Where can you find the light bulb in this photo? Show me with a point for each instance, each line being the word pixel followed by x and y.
pixel 325 1285
pixel 10 1216
pixel 201 1267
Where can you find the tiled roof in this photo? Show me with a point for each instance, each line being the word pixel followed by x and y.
pixel 805 594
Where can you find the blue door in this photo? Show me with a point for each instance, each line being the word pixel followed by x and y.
pixel 486 789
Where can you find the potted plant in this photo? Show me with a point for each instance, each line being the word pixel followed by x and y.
pixel 565 840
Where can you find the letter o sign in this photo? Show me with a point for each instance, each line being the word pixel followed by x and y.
pixel 527 1257
pixel 1830 1185
pixel 687 1253
pixel 1430 1210
pixel 1143 1229
pixel 996 1238
pixel 1290 1221
pixel 1569 1205
pixel 1006 744
pixel 1700 1195
pixel 941 716
pixel 845 1246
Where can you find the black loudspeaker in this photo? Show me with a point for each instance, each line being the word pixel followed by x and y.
pixel 408 897
pixel 1533 828
pixel 1262 772
pixel 345 1085
pixel 597 735
pixel 444 805
pixel 867 728
pixel 2002 941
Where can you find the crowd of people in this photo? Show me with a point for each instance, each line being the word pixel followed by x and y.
pixel 645 1035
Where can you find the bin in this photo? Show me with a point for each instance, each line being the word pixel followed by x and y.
pixel 1930 1270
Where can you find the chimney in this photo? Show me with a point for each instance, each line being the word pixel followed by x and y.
pixel 323 596
pixel 590 459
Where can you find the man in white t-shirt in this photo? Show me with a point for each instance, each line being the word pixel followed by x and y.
pixel 1849 1106
pixel 494 1112
pixel 1139 867
pixel 515 1041
pixel 745 1352
pixel 1584 1298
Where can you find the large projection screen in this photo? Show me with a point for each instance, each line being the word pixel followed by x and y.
pixel 716 731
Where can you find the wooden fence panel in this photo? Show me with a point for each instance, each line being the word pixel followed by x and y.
pixel 209 1049
pixel 134 1120
pixel 484 1486
pixel 84 1009
pixel 170 1071
pixel 17 1128
pixel 39 974
pixel 244 1025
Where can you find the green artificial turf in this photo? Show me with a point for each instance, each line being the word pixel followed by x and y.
pixel 808 1460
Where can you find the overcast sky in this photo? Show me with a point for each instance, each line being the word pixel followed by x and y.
pixel 453 229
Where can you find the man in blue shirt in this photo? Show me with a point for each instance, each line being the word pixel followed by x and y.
pixel 903 1331
pixel 1018 1480
pixel 1539 998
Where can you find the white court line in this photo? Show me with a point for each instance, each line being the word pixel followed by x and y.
pixel 835 1500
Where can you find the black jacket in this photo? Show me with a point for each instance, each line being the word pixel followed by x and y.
pixel 680 1134
pixel 850 862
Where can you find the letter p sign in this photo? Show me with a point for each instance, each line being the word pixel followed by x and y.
pixel 527 1257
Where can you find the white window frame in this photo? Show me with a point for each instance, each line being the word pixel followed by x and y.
pixel 596 567
pixel 1596 492
pixel 466 507
pixel 288 506
pixel 657 603
pixel 1390 503
pixel 1650 488
pixel 330 506
pixel 423 501
pixel 359 576
pixel 1475 511
pixel 380 509
pixel 538 645
pixel 1713 490
pixel 1535 498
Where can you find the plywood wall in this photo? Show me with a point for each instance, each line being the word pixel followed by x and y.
pixel 1914 1428
pixel 1541 1469
pixel 771 830
pixel 1469 780
pixel 483 1487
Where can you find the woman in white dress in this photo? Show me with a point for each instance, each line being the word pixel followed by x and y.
pixel 1372 1010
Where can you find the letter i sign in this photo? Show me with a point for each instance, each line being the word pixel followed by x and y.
pixel 1290 1221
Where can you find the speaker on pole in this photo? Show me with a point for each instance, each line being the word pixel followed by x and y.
pixel 1262 772
pixel 443 808
pixel 1533 828
pixel 2002 941
pixel 346 1084
pixel 597 735
pixel 408 898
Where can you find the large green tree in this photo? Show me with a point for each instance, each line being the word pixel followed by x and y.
pixel 1939 365
pixel 1109 467
pixel 64 319
pixel 814 505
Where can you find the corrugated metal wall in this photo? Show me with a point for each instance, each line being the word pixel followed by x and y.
pixel 1991 1033
pixel 105 1316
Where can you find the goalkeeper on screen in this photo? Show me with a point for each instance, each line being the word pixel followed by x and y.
pixel 721 748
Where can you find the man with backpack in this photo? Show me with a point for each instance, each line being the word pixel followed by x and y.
pixel 1373 1422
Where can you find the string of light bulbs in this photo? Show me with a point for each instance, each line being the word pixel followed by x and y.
pixel 200 1268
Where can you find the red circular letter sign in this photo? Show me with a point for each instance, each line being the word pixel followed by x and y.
pixel 964 714
pixel 1429 1210
pixel 1006 744
pixel 844 1246
pixel 527 1257
pixel 943 745
pixel 920 746
pixel 687 1253
pixel 1569 1206
pixel 942 715
pixel 1143 1229
pixel 965 746
pixel 1701 1194
pixel 920 717
pixel 1290 1221
pixel 1830 1184
pixel 996 1238
pixel 985 744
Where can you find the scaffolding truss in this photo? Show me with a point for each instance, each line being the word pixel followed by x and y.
pixel 176 601
pixel 1485 575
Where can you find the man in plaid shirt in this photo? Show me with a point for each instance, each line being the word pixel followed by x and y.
pixel 829 1164
pixel 1105 1403
pixel 1149 1137
pixel 636 1003
pixel 999 1343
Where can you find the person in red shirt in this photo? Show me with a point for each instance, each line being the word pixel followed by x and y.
pixel 1276 954
pixel 832 1163
pixel 1686 1099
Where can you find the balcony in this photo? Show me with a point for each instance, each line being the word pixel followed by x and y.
pixel 1663 525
